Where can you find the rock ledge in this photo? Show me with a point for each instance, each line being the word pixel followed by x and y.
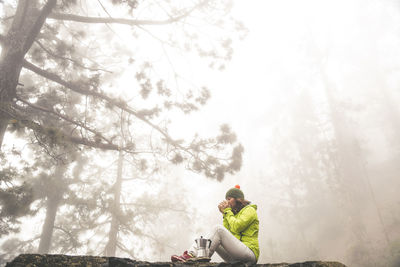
pixel 38 260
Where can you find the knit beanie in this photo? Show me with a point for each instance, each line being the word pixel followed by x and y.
pixel 235 193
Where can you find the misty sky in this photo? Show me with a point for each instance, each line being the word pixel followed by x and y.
pixel 277 60
pixel 356 41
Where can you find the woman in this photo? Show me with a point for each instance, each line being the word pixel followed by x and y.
pixel 237 239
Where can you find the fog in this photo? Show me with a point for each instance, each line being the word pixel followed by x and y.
pixel 312 94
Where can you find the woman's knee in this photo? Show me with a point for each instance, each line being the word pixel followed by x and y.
pixel 219 228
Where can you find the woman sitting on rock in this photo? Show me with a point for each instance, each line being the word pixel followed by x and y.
pixel 237 239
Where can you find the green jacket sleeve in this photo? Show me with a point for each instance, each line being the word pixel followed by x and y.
pixel 240 222
pixel 225 223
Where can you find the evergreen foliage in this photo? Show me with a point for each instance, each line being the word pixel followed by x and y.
pixel 60 70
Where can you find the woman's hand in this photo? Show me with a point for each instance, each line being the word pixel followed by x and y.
pixel 223 205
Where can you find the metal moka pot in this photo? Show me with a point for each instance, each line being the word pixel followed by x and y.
pixel 203 247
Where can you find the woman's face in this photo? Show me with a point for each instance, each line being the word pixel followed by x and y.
pixel 231 201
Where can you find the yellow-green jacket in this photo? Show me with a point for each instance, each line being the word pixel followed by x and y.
pixel 244 226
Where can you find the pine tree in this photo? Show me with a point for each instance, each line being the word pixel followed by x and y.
pixel 66 77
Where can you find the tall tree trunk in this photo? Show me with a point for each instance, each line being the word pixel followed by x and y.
pixel 28 21
pixel 111 246
pixel 3 126
pixel 53 201
pixel 48 226
pixel 347 164
pixel 349 169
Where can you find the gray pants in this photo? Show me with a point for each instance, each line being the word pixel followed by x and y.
pixel 228 247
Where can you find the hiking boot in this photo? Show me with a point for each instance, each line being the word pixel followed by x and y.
pixel 185 257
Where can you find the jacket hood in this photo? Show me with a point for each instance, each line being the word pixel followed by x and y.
pixel 253 205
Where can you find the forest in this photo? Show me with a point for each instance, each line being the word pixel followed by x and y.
pixel 124 122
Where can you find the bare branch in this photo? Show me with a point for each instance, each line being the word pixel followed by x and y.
pixel 69 59
pixel 74 241
pixel 164 208
pixel 155 37
pixel 7 18
pixel 103 7
pixel 126 250
pixel 131 22
pixel 151 237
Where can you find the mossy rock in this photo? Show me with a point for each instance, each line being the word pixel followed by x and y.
pixel 38 260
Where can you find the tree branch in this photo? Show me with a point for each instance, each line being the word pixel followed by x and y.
pixel 57 133
pixel 126 250
pixel 72 86
pixel 7 18
pixel 198 156
pixel 74 241
pixel 39 23
pixel 99 135
pixel 131 22
pixel 104 8
pixel 69 59
pixel 155 207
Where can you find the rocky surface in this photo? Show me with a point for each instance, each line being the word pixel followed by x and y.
pixel 37 260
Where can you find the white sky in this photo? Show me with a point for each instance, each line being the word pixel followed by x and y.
pixel 266 65
pixel 271 59
pixel 269 66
